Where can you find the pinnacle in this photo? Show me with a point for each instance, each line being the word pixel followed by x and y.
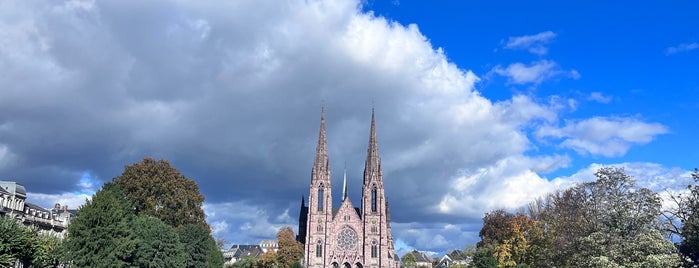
pixel 373 162
pixel 320 163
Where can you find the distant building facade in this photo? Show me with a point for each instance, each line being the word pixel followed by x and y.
pixel 454 258
pixel 237 252
pixel 13 204
pixel 347 236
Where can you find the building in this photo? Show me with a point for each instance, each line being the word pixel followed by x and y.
pixel 421 259
pixel 237 252
pixel 13 204
pixel 455 258
pixel 347 236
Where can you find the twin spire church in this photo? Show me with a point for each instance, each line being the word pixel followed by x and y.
pixel 347 236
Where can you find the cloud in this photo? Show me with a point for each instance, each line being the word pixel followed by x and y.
pixel 606 136
pixel 535 44
pixel 534 73
pixel 230 93
pixel 599 97
pixel 681 48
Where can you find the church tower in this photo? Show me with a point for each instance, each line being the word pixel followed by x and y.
pixel 319 217
pixel 378 245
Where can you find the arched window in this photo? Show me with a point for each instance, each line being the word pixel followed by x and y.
pixel 321 197
pixel 374 249
pixel 319 249
pixel 373 199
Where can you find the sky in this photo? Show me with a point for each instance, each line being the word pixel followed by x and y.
pixel 480 105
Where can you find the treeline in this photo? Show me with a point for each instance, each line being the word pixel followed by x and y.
pixel 290 253
pixel 606 223
pixel 149 216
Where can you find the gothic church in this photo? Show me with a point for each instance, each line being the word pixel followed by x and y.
pixel 347 236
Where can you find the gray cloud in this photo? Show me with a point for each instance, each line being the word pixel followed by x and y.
pixel 230 93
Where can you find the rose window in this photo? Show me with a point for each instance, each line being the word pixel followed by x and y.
pixel 347 239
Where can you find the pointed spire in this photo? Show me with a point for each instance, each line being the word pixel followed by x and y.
pixel 320 163
pixel 344 185
pixel 373 162
pixel 303 201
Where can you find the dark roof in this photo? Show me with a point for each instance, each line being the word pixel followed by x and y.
pixel 3 191
pixel 456 255
pixel 420 257
pixel 253 252
pixel 36 207
pixel 240 250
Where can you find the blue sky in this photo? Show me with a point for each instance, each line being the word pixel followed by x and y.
pixel 640 57
pixel 479 105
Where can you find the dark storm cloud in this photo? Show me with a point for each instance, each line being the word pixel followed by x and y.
pixel 230 93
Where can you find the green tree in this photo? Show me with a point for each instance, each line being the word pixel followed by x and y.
pixel 215 256
pixel 102 236
pixel 608 222
pixel 15 242
pixel 290 251
pixel 688 213
pixel 409 260
pixel 198 245
pixel 158 244
pixel 155 188
pixel 246 262
pixel 483 258
pixel 47 251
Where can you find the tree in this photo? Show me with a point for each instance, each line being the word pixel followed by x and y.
pixel 508 237
pixel 47 251
pixel 268 259
pixel 158 244
pixel 155 188
pixel 15 242
pixel 604 223
pixel 688 212
pixel 290 250
pixel 199 247
pixel 102 236
pixel 246 262
pixel 409 260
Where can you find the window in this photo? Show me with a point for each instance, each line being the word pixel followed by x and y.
pixel 319 249
pixel 374 249
pixel 319 228
pixel 321 197
pixel 373 199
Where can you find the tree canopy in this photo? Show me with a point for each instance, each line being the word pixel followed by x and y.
pixel 290 251
pixel 605 223
pixel 155 188
pixel 101 235
pixel 15 242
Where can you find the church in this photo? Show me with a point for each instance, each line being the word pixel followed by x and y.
pixel 346 236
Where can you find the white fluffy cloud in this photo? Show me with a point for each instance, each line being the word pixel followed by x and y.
pixel 230 93
pixel 607 136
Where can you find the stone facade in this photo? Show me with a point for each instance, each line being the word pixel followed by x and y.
pixel 347 236
pixel 13 204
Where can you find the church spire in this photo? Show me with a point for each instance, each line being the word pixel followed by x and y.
pixel 320 163
pixel 344 186
pixel 372 167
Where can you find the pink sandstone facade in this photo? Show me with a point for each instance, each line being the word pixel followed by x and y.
pixel 347 236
